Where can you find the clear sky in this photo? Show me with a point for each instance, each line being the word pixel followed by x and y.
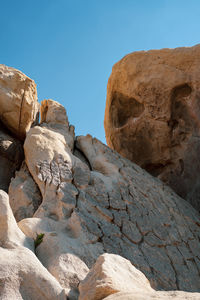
pixel 69 46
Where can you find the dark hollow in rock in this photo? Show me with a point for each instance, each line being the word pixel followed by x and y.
pixel 124 108
pixel 11 157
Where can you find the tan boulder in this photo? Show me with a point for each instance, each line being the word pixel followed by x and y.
pixel 111 274
pixel 18 101
pixel 114 277
pixel 53 112
pixel 22 275
pixel 152 115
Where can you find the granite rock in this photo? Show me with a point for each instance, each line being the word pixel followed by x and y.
pixel 18 101
pixel 105 203
pixel 152 115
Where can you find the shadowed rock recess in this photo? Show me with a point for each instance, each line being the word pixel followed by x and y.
pixel 152 115
pixel 88 200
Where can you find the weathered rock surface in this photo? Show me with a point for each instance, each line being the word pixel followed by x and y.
pixel 152 115
pixel 97 202
pixel 22 275
pixel 24 194
pixel 11 156
pixel 117 278
pixel 18 101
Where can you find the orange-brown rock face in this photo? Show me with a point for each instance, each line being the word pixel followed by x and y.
pixel 152 115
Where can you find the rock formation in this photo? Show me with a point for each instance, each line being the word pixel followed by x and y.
pixel 106 205
pixel 79 199
pixel 152 115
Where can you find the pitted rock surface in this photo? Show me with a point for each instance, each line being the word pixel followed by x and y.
pixel 152 115
pixel 104 203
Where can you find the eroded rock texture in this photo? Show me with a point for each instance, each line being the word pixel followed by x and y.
pixel 96 201
pixel 18 101
pixel 152 115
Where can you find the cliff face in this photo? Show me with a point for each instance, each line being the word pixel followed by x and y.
pixel 152 115
pixel 79 199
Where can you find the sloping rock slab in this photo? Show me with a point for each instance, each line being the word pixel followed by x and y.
pixel 108 205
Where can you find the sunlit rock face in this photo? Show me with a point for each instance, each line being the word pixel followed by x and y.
pixel 152 115
pixel 19 110
pixel 18 101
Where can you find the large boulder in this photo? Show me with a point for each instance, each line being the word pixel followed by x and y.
pixel 112 274
pixel 152 115
pixel 114 277
pixel 95 201
pixel 22 275
pixel 18 101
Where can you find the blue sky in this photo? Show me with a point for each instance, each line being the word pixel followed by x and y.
pixel 69 46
